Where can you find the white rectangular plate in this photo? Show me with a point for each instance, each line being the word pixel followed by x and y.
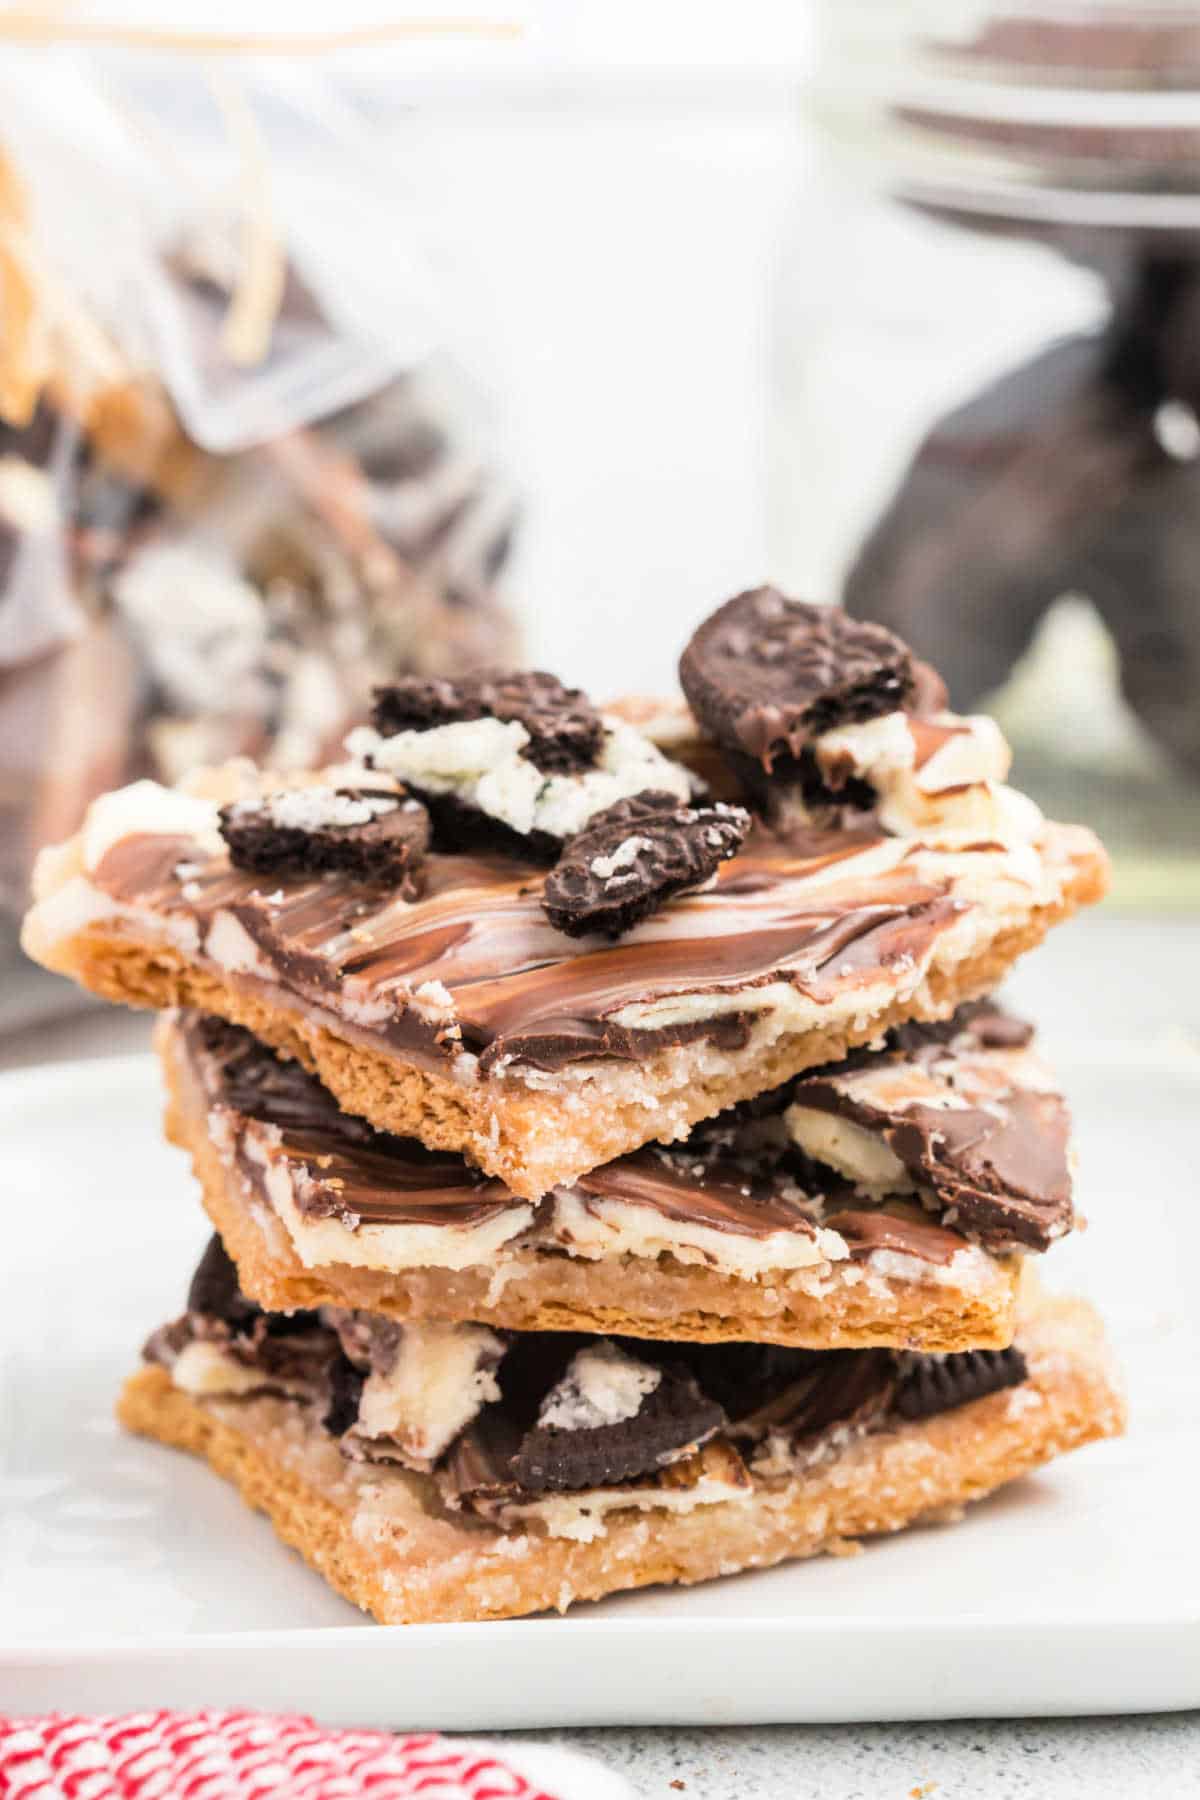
pixel 131 1576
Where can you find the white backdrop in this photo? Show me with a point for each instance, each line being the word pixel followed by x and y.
pixel 613 192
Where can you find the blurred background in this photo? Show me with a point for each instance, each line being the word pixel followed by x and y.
pixel 387 342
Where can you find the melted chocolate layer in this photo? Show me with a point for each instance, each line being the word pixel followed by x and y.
pixel 353 1172
pixel 361 1176
pixel 807 912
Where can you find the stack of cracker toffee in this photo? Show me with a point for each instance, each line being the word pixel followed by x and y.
pixel 620 1173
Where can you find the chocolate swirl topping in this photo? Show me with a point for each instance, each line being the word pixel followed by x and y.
pixel 811 912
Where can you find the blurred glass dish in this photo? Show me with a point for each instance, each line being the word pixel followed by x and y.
pixel 243 476
pixel 988 385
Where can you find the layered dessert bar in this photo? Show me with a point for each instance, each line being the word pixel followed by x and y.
pixel 886 1200
pixel 437 1472
pixel 516 928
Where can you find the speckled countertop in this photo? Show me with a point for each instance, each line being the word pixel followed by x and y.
pixel 991 1759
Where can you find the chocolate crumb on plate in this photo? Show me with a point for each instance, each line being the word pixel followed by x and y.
pixel 565 730
pixel 766 674
pixel 635 856
pixel 375 834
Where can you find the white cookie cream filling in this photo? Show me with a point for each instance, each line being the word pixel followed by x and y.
pixel 850 1150
pixel 479 762
pixel 602 1386
pixel 321 808
pixel 204 1368
pixel 28 501
pixel 957 795
pixel 608 868
pixel 860 1153
pixel 230 946
pixel 441 1376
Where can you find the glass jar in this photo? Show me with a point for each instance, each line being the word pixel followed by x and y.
pixel 987 390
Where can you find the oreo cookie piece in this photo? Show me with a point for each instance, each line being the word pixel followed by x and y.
pixel 565 730
pixel 370 834
pixel 215 1299
pixel 251 1079
pixel 994 1027
pixel 345 1393
pixel 633 857
pixel 672 1418
pixel 766 675
pixel 987 1022
pixel 215 1292
pixel 936 1384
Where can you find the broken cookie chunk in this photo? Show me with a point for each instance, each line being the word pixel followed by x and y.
pixel 767 675
pixel 634 857
pixel 612 1418
pixel 564 729
pixel 516 763
pixel 963 1113
pixel 373 834
pixel 936 1384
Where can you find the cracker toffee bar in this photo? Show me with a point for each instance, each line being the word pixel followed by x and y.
pixel 885 1200
pixel 455 1472
pixel 551 948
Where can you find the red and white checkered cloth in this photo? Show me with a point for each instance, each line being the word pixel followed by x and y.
pixel 253 1756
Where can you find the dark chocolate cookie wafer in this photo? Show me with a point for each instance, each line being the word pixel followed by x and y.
pixel 374 834
pixel 565 730
pixel 1001 1166
pixel 768 1389
pixel 988 1023
pixel 935 1384
pixel 345 1394
pixel 673 1419
pixel 215 1292
pixel 766 675
pixel 633 857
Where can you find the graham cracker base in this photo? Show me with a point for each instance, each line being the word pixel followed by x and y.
pixel 380 1537
pixel 535 1138
pixel 531 1290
